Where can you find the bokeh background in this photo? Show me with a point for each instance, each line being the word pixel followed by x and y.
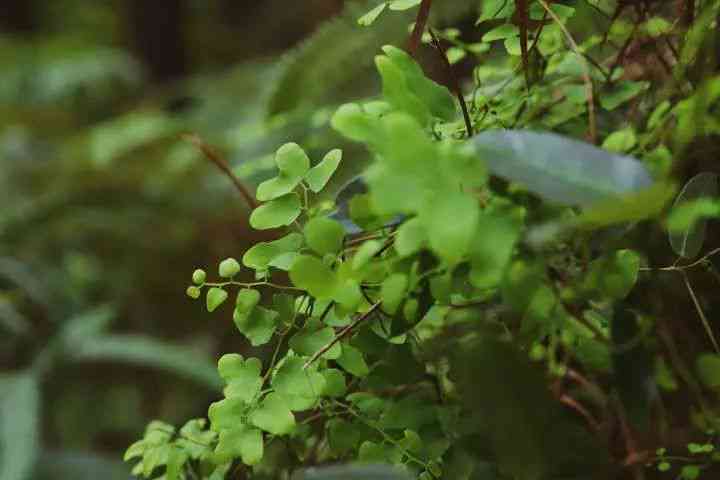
pixel 105 211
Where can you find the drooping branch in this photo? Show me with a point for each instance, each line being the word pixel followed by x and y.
pixel 214 156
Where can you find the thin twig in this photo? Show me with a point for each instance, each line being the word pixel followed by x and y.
pixel 420 22
pixel 454 83
pixel 343 333
pixel 586 71
pixel 215 157
pixel 699 309
pixel 676 268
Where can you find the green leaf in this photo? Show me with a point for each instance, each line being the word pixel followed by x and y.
pixel 690 472
pixel 708 369
pixel 257 323
pixel 215 297
pixel 320 174
pixel 19 425
pixel 227 413
pixel 620 141
pixel 411 238
pixel 312 338
pixel 175 462
pixel 620 93
pixel 501 32
pixel 613 275
pixel 311 274
pixel 324 235
pixel 406 87
pixel 301 388
pixel 365 253
pixel 450 239
pixel 273 415
pixel 400 5
pixel 334 383
pixel 492 247
pixel 687 240
pixel 262 254
pixel 145 351
pixel 241 376
pixel 393 292
pixel 293 164
pixel 370 17
pixel 277 213
pixel 493 9
pixel 559 169
pixel 241 441
pixel 352 361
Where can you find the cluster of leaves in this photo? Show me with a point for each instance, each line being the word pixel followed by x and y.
pixel 425 318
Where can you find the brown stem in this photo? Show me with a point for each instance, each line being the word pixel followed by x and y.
pixel 570 402
pixel 343 333
pixel 454 83
pixel 420 22
pixel 214 156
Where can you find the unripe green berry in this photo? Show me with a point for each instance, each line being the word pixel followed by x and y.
pixel 199 276
pixel 229 268
pixel 193 292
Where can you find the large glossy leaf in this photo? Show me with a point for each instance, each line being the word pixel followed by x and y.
pixel 148 352
pixel 560 169
pixel 19 418
pixel 352 472
pixel 688 242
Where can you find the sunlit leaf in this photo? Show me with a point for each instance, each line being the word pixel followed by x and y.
pixel 324 235
pixel 277 213
pixel 370 17
pixel 241 376
pixel 319 175
pixel 273 415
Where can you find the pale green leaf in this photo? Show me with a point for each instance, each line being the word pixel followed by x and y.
pixel 311 274
pixel 400 5
pixel 215 297
pixel 324 235
pixel 312 338
pixel 319 175
pixel 300 387
pixel 241 441
pixel 241 376
pixel 352 361
pixel 273 415
pixel 293 164
pixel 262 254
pixel 277 213
pixel 393 292
pixel 370 17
